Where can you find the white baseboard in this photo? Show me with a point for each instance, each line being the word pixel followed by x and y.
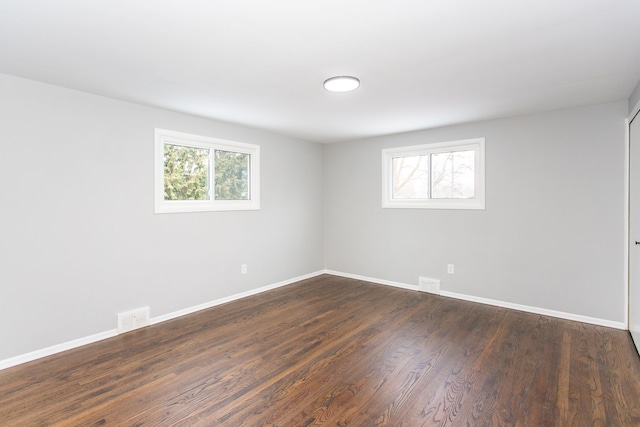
pixel 224 300
pixel 58 348
pixel 372 280
pixel 497 303
pixel 537 310
pixel 28 357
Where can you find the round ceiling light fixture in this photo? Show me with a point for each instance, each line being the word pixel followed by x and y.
pixel 341 84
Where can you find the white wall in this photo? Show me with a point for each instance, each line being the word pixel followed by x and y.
pixel 634 100
pixel 79 238
pixel 79 241
pixel 551 237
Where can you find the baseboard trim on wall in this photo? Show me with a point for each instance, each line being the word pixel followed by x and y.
pixel 537 310
pixel 184 312
pixel 372 280
pixel 497 303
pixel 58 348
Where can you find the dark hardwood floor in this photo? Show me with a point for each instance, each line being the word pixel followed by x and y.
pixel 337 352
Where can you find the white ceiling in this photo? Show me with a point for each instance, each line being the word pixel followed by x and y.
pixel 422 63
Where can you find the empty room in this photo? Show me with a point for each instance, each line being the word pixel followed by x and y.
pixel 339 213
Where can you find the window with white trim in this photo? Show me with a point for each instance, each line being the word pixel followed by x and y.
pixel 445 175
pixel 196 173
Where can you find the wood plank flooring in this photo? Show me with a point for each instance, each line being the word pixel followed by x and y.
pixel 337 352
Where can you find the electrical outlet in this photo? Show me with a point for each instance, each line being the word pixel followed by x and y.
pixel 243 269
pixel 134 319
pixel 426 284
pixel 450 269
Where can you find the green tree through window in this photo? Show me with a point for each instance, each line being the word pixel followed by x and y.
pixel 186 173
pixel 232 175
pixel 196 173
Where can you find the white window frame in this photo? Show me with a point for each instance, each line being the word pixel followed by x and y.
pixel 476 144
pixel 163 137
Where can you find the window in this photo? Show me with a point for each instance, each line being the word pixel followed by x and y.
pixel 196 173
pixel 446 175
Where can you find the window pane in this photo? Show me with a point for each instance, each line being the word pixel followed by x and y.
pixel 411 177
pixel 186 173
pixel 232 175
pixel 453 175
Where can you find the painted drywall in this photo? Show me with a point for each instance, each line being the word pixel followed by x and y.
pixel 79 241
pixel 552 233
pixel 634 100
pixel 79 238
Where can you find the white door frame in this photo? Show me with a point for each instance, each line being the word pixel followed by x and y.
pixel 627 207
pixel 627 219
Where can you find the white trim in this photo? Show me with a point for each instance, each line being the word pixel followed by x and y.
pixel 627 218
pixel 513 306
pixel 163 136
pixel 189 310
pixel 536 310
pixel 58 348
pixel 477 202
pixel 28 357
pixel 372 280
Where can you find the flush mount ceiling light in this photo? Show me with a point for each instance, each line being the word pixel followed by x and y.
pixel 341 84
